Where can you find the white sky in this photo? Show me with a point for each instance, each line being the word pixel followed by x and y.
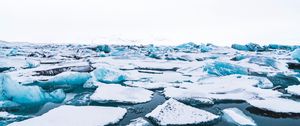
pixel 221 22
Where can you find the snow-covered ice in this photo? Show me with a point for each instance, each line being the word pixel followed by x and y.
pixel 279 105
pixel 121 94
pixel 76 116
pixel 173 112
pixel 294 90
pixel 236 116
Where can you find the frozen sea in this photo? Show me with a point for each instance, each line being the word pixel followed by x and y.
pixel 148 85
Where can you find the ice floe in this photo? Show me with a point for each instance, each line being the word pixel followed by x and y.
pixel 121 94
pixel 76 116
pixel 173 112
pixel 294 90
pixel 233 87
pixel 279 105
pixel 236 116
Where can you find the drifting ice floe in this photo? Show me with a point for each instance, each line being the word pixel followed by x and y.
pixel 173 112
pixel 236 116
pixel 294 90
pixel 279 105
pixel 121 94
pixel 20 94
pixel 76 116
pixel 233 87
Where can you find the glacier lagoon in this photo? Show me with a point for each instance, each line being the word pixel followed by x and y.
pixel 200 78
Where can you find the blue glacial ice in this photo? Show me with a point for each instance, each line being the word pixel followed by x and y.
pixel 109 75
pixel 27 95
pixel 263 61
pixel 66 79
pixel 296 54
pixel 248 47
pixel 222 69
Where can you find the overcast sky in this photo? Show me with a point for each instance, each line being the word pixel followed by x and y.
pixel 167 22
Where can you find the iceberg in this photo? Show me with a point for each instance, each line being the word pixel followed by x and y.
pixel 109 75
pixel 172 112
pixel 279 105
pixel 121 94
pixel 27 95
pixel 236 116
pixel 66 115
pixel 66 80
pixel 223 69
pixel 296 54
pixel 294 90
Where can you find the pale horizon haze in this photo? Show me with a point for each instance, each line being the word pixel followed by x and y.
pixel 162 22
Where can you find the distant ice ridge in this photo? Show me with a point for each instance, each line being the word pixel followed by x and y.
pixel 76 116
pixel 27 95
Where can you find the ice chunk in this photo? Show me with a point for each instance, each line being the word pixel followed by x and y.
pixel 236 116
pixel 283 47
pixel 31 64
pixel 66 79
pixel 121 94
pixel 223 69
pixel 294 90
pixel 296 54
pixel 6 104
pixel 103 48
pixel 192 47
pixel 13 52
pixel 76 116
pixel 109 75
pixel 20 94
pixel 248 47
pixel 239 57
pixel 263 61
pixel 173 112
pixel 279 105
pixel 239 47
pixel 280 79
pixel 139 122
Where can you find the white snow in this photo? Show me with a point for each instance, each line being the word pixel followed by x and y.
pixel 279 105
pixel 294 90
pixel 76 116
pixel 173 112
pixel 122 94
pixel 236 116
